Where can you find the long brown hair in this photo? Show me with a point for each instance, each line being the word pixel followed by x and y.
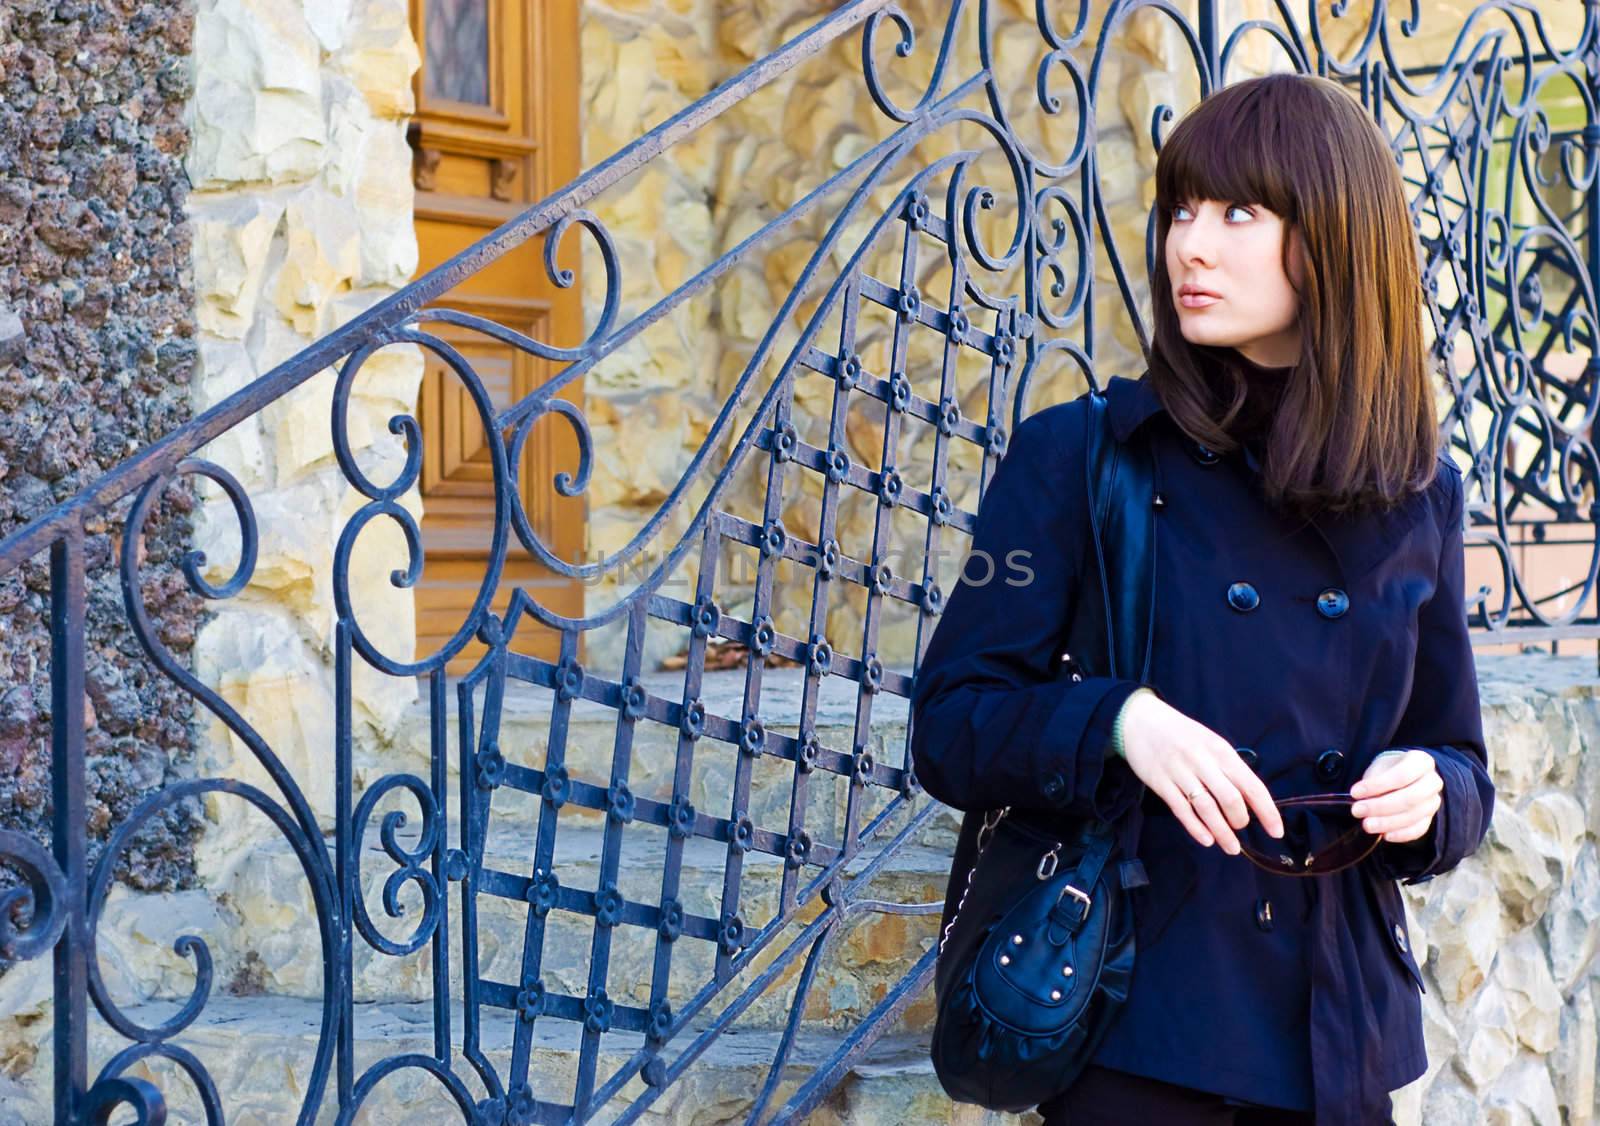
pixel 1355 425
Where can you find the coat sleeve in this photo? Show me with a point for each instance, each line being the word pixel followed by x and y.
pixel 1444 718
pixel 991 723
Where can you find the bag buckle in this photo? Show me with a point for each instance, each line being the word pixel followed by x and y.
pixel 1081 897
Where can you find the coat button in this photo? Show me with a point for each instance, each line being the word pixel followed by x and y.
pixel 1205 455
pixel 1400 935
pixel 1243 597
pixel 1264 914
pixel 1329 763
pixel 1249 756
pixel 1333 602
pixel 1053 784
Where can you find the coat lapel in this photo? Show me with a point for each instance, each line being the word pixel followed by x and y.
pixel 1363 541
pixel 1358 541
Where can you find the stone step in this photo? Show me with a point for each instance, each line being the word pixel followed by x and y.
pixel 263 938
pixel 259 1053
pixel 589 749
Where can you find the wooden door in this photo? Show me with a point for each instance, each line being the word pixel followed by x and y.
pixel 496 129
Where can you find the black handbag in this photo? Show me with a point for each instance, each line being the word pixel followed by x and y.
pixel 1036 946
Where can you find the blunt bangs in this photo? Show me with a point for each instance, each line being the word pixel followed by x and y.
pixel 1229 148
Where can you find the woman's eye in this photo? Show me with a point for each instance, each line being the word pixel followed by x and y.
pixel 1181 211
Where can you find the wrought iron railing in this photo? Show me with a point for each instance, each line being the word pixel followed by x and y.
pixel 1504 271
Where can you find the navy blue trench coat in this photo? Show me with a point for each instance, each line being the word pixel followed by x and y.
pixel 1292 992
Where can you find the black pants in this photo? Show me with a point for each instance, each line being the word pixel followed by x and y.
pixel 1103 1097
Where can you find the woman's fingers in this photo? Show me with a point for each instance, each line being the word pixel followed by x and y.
pixel 1389 772
pixel 1237 791
pixel 1168 791
pixel 1225 791
pixel 1410 832
pixel 1176 757
pixel 1401 799
pixel 1259 798
pixel 1411 795
pixel 1200 794
pixel 1424 805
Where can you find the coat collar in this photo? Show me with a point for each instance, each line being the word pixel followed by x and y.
pixel 1359 542
pixel 1131 402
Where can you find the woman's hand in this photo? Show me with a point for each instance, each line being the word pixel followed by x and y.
pixel 1174 755
pixel 1400 794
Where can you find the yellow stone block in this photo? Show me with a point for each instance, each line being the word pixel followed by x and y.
pixel 380 56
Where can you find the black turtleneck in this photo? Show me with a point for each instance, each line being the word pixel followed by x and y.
pixel 1265 389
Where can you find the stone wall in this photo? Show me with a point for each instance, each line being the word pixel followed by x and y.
pixel 302 216
pixel 1506 941
pixel 190 195
pixel 187 198
pixel 97 358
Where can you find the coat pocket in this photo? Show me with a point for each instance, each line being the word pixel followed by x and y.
pixel 1397 936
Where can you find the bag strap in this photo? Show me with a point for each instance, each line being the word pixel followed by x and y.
pixel 1114 618
pixel 1113 625
pixel 1115 631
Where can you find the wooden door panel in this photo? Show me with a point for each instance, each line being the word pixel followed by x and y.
pixel 495 130
pixel 458 464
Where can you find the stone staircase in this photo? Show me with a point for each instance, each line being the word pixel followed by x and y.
pixel 259 1031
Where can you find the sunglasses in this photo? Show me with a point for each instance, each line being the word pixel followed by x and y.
pixel 1320 836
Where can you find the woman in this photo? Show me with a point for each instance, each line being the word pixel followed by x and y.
pixel 1310 630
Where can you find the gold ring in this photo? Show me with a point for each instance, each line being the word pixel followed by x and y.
pixel 1195 794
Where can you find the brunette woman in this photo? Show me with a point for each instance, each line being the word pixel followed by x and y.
pixel 1310 634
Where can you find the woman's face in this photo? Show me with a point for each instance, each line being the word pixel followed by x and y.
pixel 1234 252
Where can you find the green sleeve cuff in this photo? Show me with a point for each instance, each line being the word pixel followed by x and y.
pixel 1116 726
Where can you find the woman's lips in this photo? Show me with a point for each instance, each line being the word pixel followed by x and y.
pixel 1197 300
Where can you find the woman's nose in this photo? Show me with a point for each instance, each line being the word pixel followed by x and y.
pixel 1197 244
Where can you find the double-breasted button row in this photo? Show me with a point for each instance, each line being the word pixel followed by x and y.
pixel 1331 603
pixel 1329 763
